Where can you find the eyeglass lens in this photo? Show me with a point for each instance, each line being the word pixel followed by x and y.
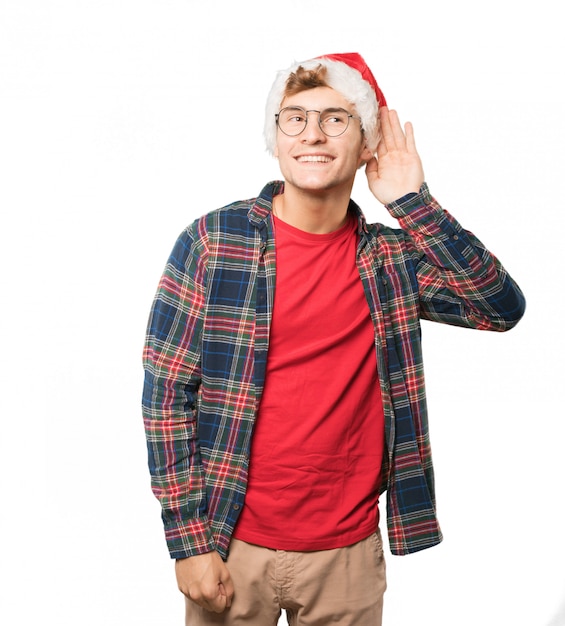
pixel 293 120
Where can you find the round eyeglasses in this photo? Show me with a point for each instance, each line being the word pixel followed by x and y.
pixel 332 122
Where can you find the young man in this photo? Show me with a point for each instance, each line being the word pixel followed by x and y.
pixel 284 385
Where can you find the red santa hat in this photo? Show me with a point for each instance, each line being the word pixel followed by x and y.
pixel 347 73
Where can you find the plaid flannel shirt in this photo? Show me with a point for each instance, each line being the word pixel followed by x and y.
pixel 206 352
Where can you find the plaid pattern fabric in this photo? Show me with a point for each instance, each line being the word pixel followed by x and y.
pixel 206 352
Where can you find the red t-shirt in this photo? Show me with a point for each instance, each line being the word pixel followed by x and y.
pixel 318 442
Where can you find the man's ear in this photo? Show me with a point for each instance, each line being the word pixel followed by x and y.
pixel 365 156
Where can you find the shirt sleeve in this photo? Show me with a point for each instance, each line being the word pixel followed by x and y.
pixel 460 281
pixel 172 364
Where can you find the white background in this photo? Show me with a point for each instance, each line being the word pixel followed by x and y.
pixel 116 131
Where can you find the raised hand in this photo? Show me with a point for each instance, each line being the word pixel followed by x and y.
pixel 397 168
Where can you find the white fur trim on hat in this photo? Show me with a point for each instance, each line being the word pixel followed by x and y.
pixel 341 77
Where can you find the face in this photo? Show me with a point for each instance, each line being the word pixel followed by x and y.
pixel 312 161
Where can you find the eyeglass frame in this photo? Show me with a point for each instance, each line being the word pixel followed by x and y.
pixel 306 111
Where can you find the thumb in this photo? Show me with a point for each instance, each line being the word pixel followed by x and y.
pixel 372 166
pixel 225 596
pixel 226 587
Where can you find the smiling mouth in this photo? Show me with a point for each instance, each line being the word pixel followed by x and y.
pixel 314 159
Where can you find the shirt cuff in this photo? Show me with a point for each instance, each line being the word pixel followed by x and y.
pixel 190 538
pixel 410 202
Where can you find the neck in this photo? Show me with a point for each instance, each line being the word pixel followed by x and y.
pixel 313 213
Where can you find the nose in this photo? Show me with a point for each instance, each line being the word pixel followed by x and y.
pixel 313 133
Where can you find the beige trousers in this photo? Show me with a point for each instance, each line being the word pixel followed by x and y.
pixel 344 586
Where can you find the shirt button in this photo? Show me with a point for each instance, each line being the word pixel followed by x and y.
pixel 455 237
pixel 236 507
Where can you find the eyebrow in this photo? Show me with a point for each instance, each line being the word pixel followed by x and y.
pixel 330 109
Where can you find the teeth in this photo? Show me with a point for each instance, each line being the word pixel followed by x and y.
pixel 314 159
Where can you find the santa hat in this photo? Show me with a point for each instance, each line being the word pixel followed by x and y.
pixel 348 74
